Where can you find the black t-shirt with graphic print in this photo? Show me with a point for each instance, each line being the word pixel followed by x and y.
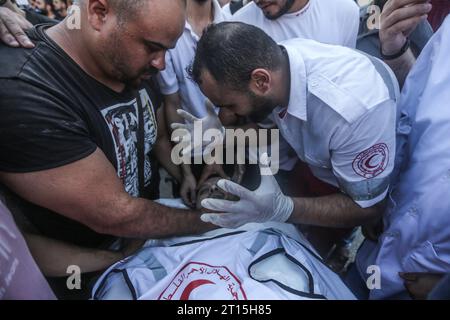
pixel 52 114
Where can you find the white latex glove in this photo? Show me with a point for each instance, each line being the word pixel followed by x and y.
pixel 265 204
pixel 210 121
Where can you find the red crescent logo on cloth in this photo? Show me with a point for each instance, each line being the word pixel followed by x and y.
pixel 205 281
pixel 372 162
pixel 191 286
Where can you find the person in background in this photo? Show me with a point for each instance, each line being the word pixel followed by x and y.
pixel 60 7
pixel 181 92
pixel 32 3
pixel 14 22
pixel 396 31
pixel 20 277
pixel 412 248
pixel 368 36
pixel 234 6
pixel 46 8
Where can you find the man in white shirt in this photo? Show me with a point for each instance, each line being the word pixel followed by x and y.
pixel 333 22
pixel 331 104
pixel 415 238
pixel 179 90
pixel 234 6
pixel 413 250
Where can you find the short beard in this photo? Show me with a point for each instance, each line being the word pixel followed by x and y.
pixel 287 6
pixel 119 66
pixel 262 107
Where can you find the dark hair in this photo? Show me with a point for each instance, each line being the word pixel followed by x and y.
pixel 50 3
pixel 231 51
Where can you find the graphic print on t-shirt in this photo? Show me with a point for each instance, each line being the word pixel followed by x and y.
pixel 123 122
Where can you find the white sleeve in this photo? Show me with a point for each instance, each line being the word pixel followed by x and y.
pixel 363 155
pixel 167 79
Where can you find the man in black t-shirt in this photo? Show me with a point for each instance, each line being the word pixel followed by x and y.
pixel 78 123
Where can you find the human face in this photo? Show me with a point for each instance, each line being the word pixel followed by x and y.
pixel 245 103
pixel 59 5
pixel 40 4
pixel 135 49
pixel 273 9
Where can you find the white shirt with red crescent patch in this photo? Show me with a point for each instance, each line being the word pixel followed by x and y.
pixel 333 22
pixel 341 117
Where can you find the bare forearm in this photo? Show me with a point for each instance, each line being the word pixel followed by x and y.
pixel 402 65
pixel 171 104
pixel 73 191
pixel 163 155
pixel 336 210
pixel 147 219
pixel 54 257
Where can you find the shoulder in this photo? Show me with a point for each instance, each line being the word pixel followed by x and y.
pixel 21 62
pixel 247 14
pixel 16 59
pixel 27 80
pixel 348 7
pixel 21 100
pixel 349 82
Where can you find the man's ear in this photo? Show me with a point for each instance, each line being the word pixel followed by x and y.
pixel 97 11
pixel 261 81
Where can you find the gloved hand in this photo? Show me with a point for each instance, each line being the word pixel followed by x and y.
pixel 265 204
pixel 210 121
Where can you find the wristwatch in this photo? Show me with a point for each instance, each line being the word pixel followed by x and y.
pixel 2 2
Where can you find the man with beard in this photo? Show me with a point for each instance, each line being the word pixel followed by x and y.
pixel 60 7
pixel 46 8
pixel 78 123
pixel 333 22
pixel 330 103
pixel 181 92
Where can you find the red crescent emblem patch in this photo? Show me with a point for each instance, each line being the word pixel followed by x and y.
pixel 372 162
pixel 207 280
